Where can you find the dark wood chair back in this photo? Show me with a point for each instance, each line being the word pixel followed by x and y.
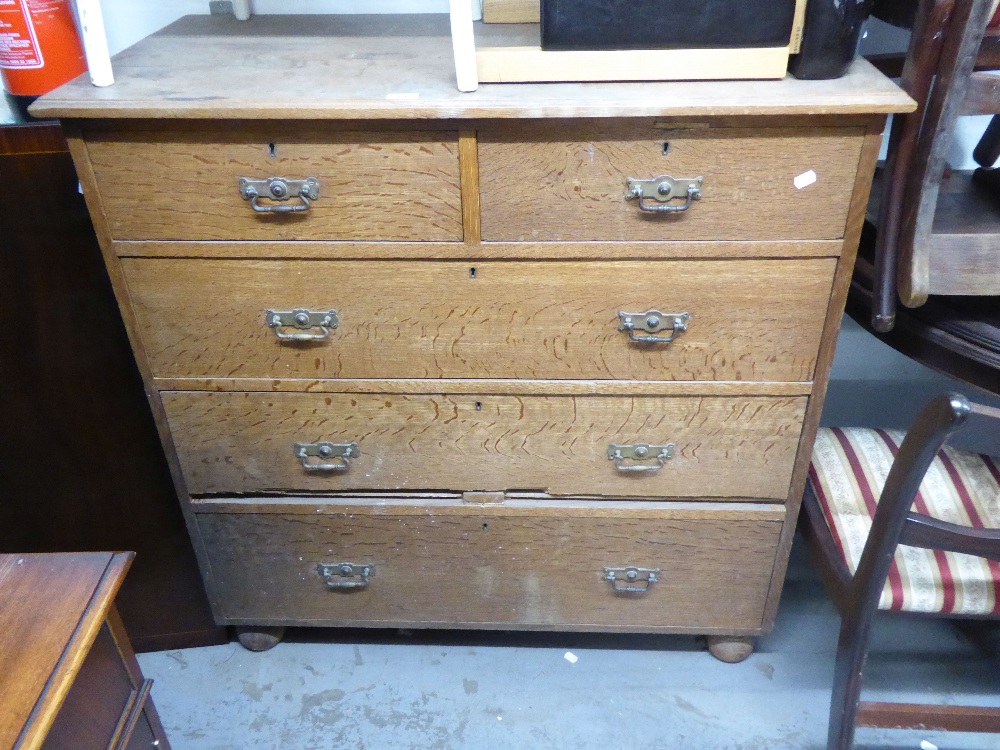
pixel 857 597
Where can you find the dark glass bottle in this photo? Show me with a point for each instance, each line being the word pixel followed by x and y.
pixel 830 38
pixel 19 106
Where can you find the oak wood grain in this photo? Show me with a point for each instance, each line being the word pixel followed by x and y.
pixel 481 566
pixel 379 67
pixel 569 183
pixel 556 320
pixel 243 442
pixel 185 185
pixel 468 162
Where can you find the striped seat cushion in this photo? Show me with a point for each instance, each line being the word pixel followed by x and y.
pixel 848 470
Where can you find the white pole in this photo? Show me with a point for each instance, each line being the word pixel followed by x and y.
pixel 95 42
pixel 464 45
pixel 241 9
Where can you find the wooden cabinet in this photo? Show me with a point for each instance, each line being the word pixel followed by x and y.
pixel 70 677
pixel 470 377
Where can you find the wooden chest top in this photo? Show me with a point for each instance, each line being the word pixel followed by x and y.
pixel 378 67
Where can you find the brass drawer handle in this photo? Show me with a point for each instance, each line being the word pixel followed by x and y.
pixel 636 580
pixel 640 452
pixel 345 575
pixel 652 322
pixel 663 189
pixel 303 320
pixel 341 453
pixel 279 189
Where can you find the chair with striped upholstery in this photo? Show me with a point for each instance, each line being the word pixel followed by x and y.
pixel 905 524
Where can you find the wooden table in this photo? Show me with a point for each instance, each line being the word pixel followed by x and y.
pixel 68 675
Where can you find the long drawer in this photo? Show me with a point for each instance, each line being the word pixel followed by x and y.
pixel 569 181
pixel 540 320
pixel 185 184
pixel 516 564
pixel 737 447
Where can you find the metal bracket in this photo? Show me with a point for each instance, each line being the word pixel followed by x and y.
pixel 652 322
pixel 342 453
pixel 303 320
pixel 663 189
pixel 636 580
pixel 345 575
pixel 640 452
pixel 279 189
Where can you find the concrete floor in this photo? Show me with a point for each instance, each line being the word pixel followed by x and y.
pixel 374 690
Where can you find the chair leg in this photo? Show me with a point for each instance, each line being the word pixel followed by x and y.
pixel 852 654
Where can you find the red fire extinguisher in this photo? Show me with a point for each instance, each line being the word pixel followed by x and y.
pixel 40 47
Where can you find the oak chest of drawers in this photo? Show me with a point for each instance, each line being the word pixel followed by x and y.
pixel 541 356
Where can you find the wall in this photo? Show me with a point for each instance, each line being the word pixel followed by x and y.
pixel 870 382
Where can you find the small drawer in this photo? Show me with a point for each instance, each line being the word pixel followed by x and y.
pixel 735 447
pixel 519 564
pixel 571 182
pixel 186 185
pixel 555 320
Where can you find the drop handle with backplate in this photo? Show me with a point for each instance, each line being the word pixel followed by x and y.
pixel 345 575
pixel 279 189
pixel 651 323
pixel 341 453
pixel 662 190
pixel 631 579
pixel 303 320
pixel 640 452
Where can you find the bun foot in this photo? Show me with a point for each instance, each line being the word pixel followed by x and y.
pixel 731 649
pixel 260 638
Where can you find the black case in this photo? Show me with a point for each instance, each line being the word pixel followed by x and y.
pixel 665 24
pixel 830 38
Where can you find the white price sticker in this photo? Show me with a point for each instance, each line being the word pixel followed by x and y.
pixel 805 179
